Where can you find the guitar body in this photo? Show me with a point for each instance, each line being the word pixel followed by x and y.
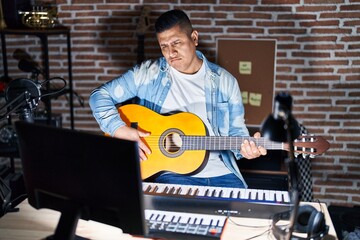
pixel 162 134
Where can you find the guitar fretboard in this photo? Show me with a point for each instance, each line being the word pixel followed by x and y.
pixel 225 143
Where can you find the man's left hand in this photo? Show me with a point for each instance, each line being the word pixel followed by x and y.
pixel 250 150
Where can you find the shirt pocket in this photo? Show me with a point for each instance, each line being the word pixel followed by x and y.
pixel 222 115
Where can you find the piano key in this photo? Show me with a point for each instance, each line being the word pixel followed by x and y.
pixel 243 194
pixel 266 195
pixel 286 198
pixel 279 197
pixel 198 220
pixel 201 191
pixel 271 195
pixel 167 218
pixel 226 193
pixel 252 194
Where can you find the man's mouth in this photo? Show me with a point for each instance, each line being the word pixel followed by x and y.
pixel 174 60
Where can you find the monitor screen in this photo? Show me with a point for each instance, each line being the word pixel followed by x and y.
pixel 82 175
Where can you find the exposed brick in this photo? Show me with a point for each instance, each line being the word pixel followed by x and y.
pixel 274 24
pixel 321 78
pixel 317 61
pixel 315 8
pixel 319 23
pixel 282 2
pixel 272 8
pixel 340 15
pixel 329 62
pixel 316 38
pixel 323 46
pixel 314 70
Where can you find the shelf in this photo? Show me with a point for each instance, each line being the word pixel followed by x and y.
pixel 43 34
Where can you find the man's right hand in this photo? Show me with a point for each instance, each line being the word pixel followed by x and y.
pixel 132 134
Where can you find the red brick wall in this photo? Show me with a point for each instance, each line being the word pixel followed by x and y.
pixel 318 62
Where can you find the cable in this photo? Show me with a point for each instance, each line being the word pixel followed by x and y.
pixel 321 207
pixel 268 230
pixel 79 98
pixel 56 92
pixel 3 194
pixel 259 235
pixel 248 226
pixel 9 205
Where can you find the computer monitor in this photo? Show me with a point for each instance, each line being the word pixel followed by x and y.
pixel 82 175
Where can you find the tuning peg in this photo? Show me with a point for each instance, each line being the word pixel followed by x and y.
pixel 305 155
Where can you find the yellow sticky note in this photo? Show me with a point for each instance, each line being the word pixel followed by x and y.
pixel 245 67
pixel 245 98
pixel 255 99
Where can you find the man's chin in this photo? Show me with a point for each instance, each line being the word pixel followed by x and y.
pixel 176 65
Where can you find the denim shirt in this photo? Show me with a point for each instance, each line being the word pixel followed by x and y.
pixel 148 84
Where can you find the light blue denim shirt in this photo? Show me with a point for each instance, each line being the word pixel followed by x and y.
pixel 149 83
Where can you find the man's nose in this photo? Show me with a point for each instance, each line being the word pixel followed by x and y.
pixel 172 51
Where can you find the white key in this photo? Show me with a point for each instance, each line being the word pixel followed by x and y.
pixel 251 194
pixel 201 191
pixel 260 195
pixel 247 193
pixel 272 195
pixel 226 193
pixel 278 196
pixel 286 197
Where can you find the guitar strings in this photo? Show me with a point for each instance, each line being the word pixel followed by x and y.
pixel 211 142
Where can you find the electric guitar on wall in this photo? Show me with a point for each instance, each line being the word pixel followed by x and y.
pixel 179 142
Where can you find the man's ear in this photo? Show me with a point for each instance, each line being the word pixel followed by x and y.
pixel 195 37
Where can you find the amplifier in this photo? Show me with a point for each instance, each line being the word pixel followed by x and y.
pixel 8 137
pixel 56 120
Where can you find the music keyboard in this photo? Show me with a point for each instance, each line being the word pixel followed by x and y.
pixel 180 225
pixel 216 200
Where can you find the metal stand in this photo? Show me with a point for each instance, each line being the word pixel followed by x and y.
pixel 43 35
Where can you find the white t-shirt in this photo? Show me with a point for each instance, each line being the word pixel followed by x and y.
pixel 187 94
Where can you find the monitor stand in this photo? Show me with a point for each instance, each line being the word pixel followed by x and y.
pixel 67 224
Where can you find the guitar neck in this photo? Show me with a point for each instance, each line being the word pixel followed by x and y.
pixel 227 143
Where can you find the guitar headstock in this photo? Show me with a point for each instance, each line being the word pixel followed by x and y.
pixel 309 145
pixel 144 22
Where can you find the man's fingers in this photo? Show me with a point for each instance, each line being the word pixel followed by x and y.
pixel 250 150
pixel 257 135
pixel 262 150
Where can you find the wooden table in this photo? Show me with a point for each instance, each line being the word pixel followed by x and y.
pixel 32 224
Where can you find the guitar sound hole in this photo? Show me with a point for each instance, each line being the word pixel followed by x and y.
pixel 172 143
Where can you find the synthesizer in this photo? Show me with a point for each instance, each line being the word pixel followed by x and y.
pixel 239 202
pixel 180 225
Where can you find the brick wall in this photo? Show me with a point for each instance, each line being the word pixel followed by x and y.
pixel 318 62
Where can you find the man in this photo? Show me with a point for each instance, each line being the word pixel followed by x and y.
pixel 182 80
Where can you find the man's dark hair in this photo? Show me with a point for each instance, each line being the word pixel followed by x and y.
pixel 172 18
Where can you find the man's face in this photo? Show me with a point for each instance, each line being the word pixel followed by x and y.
pixel 179 49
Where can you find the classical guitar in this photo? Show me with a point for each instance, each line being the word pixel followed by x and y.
pixel 179 142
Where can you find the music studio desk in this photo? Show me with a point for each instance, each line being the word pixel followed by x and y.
pixel 32 224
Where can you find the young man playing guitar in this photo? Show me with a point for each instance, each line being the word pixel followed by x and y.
pixel 183 80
